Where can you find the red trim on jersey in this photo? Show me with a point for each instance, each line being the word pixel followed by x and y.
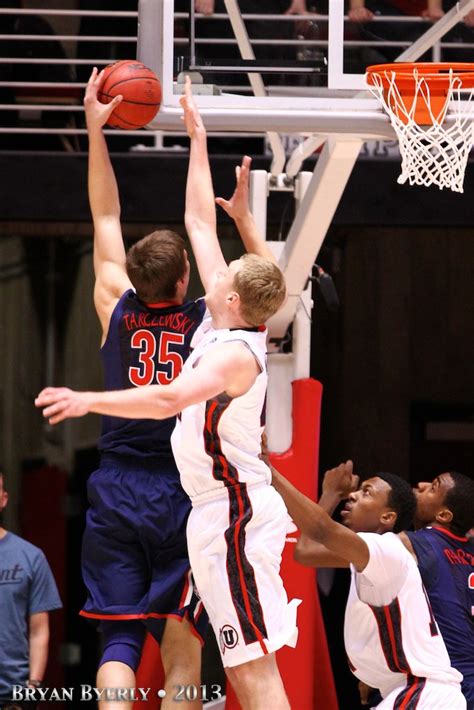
pixel 185 590
pixel 126 617
pixel 151 615
pixel 389 623
pixel 410 695
pixel 450 534
pixel 162 304
pixel 391 633
pixel 223 470
pixel 193 629
pixel 245 594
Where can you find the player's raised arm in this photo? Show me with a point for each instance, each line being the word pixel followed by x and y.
pixel 237 207
pixel 317 525
pixel 200 214
pixel 338 484
pixel 109 250
pixel 229 367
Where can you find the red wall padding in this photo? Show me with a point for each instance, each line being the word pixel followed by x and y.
pixel 43 523
pixel 150 674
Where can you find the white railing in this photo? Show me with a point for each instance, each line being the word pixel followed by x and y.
pixel 27 100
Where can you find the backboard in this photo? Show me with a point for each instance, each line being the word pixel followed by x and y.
pixel 341 106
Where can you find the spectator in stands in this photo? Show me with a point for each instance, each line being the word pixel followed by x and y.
pixel 107 26
pixel 256 29
pixel 360 11
pixel 463 32
pixel 28 594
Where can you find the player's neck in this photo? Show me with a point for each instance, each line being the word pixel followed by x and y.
pixel 228 320
pixel 419 525
pixel 3 532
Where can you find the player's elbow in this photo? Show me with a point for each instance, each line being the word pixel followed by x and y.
pixel 191 222
pixel 319 530
pixel 167 404
pixel 301 554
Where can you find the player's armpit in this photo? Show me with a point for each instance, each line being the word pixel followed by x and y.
pixel 111 283
pixel 313 554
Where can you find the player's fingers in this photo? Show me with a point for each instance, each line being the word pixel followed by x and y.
pixel 237 171
pixel 246 162
pixel 355 482
pixel 99 77
pixel 92 76
pixel 222 203
pixel 187 86
pixel 349 465
pixel 55 408
pixel 49 395
pixel 58 418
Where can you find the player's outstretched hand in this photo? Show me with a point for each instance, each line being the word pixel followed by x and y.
pixel 62 403
pixel 238 205
pixel 97 113
pixel 341 480
pixel 192 119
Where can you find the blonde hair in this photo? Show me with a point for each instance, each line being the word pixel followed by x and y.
pixel 261 287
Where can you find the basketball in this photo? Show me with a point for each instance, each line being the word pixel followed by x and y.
pixel 141 91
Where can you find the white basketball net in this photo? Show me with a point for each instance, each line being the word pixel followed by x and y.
pixel 435 154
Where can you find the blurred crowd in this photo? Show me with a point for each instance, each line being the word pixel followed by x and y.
pixel 302 35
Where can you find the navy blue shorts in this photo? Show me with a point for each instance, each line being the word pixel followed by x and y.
pixel 134 555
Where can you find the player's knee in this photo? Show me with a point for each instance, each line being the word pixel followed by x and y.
pixel 182 663
pixel 121 653
pixel 123 642
pixel 251 673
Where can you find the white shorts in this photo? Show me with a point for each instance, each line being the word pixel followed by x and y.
pixel 235 544
pixel 425 694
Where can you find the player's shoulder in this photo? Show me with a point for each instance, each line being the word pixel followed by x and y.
pixel 197 308
pixel 388 543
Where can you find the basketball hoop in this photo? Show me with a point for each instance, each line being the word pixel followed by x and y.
pixel 434 143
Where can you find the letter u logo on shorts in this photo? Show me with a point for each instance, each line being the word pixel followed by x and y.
pixel 228 637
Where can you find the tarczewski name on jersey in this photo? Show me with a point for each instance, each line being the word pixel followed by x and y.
pixel 176 321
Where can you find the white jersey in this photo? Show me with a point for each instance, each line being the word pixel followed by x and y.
pixel 217 443
pixel 391 637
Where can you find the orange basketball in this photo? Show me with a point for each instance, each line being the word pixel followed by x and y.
pixel 141 91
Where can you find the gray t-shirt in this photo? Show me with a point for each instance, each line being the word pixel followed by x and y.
pixel 27 587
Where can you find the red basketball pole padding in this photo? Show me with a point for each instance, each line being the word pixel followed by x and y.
pixel 306 670
pixel 150 674
pixel 45 489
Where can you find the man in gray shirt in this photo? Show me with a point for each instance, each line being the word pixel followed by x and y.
pixel 27 593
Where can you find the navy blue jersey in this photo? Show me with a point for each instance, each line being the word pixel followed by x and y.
pixel 446 564
pixel 146 344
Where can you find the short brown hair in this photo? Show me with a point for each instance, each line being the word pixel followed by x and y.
pixel 261 287
pixel 155 264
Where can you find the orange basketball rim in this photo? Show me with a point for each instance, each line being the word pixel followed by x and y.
pixel 412 79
